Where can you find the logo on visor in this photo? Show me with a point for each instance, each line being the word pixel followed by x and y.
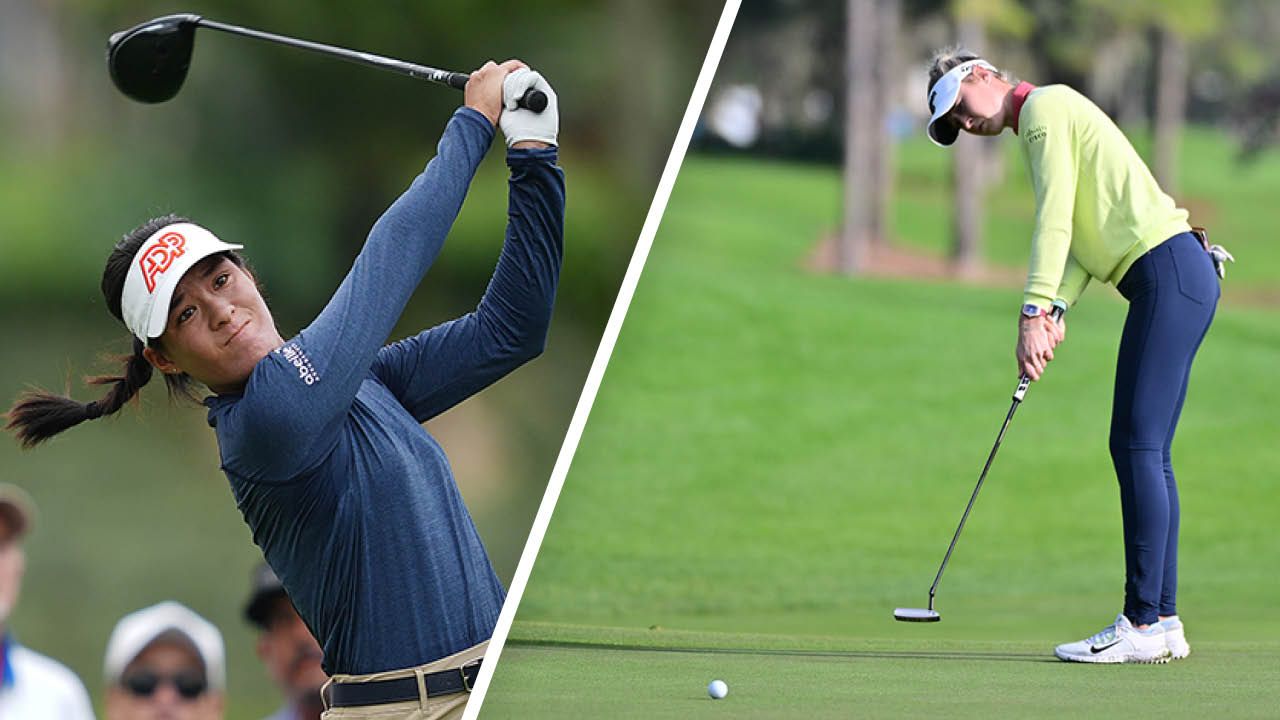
pixel 160 256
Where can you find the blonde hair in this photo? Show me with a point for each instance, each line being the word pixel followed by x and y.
pixel 953 55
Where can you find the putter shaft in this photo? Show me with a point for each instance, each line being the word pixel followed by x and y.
pixel 933 589
pixel 1019 393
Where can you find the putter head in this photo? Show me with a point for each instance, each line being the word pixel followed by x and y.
pixel 916 615
pixel 149 61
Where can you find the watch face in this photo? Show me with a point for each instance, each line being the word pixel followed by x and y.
pixel 1030 310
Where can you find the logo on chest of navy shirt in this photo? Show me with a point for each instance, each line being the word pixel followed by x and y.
pixel 297 358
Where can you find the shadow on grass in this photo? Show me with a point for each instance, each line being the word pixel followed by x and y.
pixel 836 654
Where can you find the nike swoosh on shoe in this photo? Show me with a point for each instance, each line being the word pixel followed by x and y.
pixel 1095 649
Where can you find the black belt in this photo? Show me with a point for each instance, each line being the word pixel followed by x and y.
pixel 381 692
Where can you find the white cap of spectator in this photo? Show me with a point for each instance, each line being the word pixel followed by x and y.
pixel 136 631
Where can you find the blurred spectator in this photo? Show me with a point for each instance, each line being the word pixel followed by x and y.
pixel 286 647
pixel 166 662
pixel 735 115
pixel 31 685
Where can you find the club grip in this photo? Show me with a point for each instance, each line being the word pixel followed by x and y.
pixel 533 99
pixel 1024 382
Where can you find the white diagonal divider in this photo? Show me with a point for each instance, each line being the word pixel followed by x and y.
pixel 601 361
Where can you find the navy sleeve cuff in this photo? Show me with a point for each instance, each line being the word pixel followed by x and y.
pixel 517 157
pixel 473 117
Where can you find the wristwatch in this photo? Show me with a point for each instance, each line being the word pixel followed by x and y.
pixel 1031 310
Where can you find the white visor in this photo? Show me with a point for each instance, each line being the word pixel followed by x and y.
pixel 155 271
pixel 944 96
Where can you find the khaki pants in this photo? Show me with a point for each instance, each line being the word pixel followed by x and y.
pixel 444 707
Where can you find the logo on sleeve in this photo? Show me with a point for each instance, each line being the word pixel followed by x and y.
pixel 297 358
pixel 160 256
pixel 1036 134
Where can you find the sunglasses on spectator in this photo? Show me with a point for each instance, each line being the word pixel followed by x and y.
pixel 145 683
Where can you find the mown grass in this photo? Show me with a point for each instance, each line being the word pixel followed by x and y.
pixel 779 453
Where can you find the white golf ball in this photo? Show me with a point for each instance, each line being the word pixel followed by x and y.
pixel 717 689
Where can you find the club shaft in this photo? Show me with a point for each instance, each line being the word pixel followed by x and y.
pixel 933 589
pixel 422 72
pixel 1019 393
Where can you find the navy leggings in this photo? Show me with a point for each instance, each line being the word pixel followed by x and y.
pixel 1172 293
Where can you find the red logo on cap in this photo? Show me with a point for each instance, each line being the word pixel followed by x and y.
pixel 157 258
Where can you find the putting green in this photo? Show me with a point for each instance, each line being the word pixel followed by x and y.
pixel 777 459
pixel 594 672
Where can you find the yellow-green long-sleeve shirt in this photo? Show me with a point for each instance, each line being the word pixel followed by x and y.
pixel 1098 208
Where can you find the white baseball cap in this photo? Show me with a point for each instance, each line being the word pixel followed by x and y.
pixel 137 630
pixel 943 97
pixel 155 270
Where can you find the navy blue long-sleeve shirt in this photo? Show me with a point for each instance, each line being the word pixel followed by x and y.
pixel 352 502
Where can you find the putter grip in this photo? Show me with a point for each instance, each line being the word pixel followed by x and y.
pixel 1024 382
pixel 533 99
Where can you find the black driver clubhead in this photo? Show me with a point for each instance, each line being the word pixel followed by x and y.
pixel 149 61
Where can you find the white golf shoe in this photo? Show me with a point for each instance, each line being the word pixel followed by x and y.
pixel 1175 637
pixel 1119 642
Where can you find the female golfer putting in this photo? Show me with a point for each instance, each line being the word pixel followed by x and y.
pixel 352 502
pixel 1100 214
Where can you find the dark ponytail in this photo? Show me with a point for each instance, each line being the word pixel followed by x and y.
pixel 39 415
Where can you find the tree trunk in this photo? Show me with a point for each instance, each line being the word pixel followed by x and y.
pixel 1111 74
pixel 886 82
pixel 968 178
pixel 34 76
pixel 861 132
pixel 645 96
pixel 1171 106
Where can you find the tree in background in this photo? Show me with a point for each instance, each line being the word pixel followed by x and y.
pixel 888 80
pixel 968 171
pixel 864 122
pixel 976 160
pixel 1177 23
pixel 1147 63
pixel 1162 31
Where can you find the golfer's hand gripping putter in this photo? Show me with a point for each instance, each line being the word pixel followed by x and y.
pixel 1025 381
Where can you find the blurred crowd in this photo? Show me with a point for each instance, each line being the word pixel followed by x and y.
pixel 162 661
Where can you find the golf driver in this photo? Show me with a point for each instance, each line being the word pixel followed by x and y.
pixel 149 61
pixel 929 614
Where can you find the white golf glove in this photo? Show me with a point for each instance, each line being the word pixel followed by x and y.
pixel 519 124
pixel 1220 257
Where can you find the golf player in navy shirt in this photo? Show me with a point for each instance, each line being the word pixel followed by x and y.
pixel 352 502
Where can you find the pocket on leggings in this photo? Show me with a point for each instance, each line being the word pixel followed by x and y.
pixel 1196 279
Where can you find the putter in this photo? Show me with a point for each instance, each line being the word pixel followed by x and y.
pixel 149 61
pixel 929 614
